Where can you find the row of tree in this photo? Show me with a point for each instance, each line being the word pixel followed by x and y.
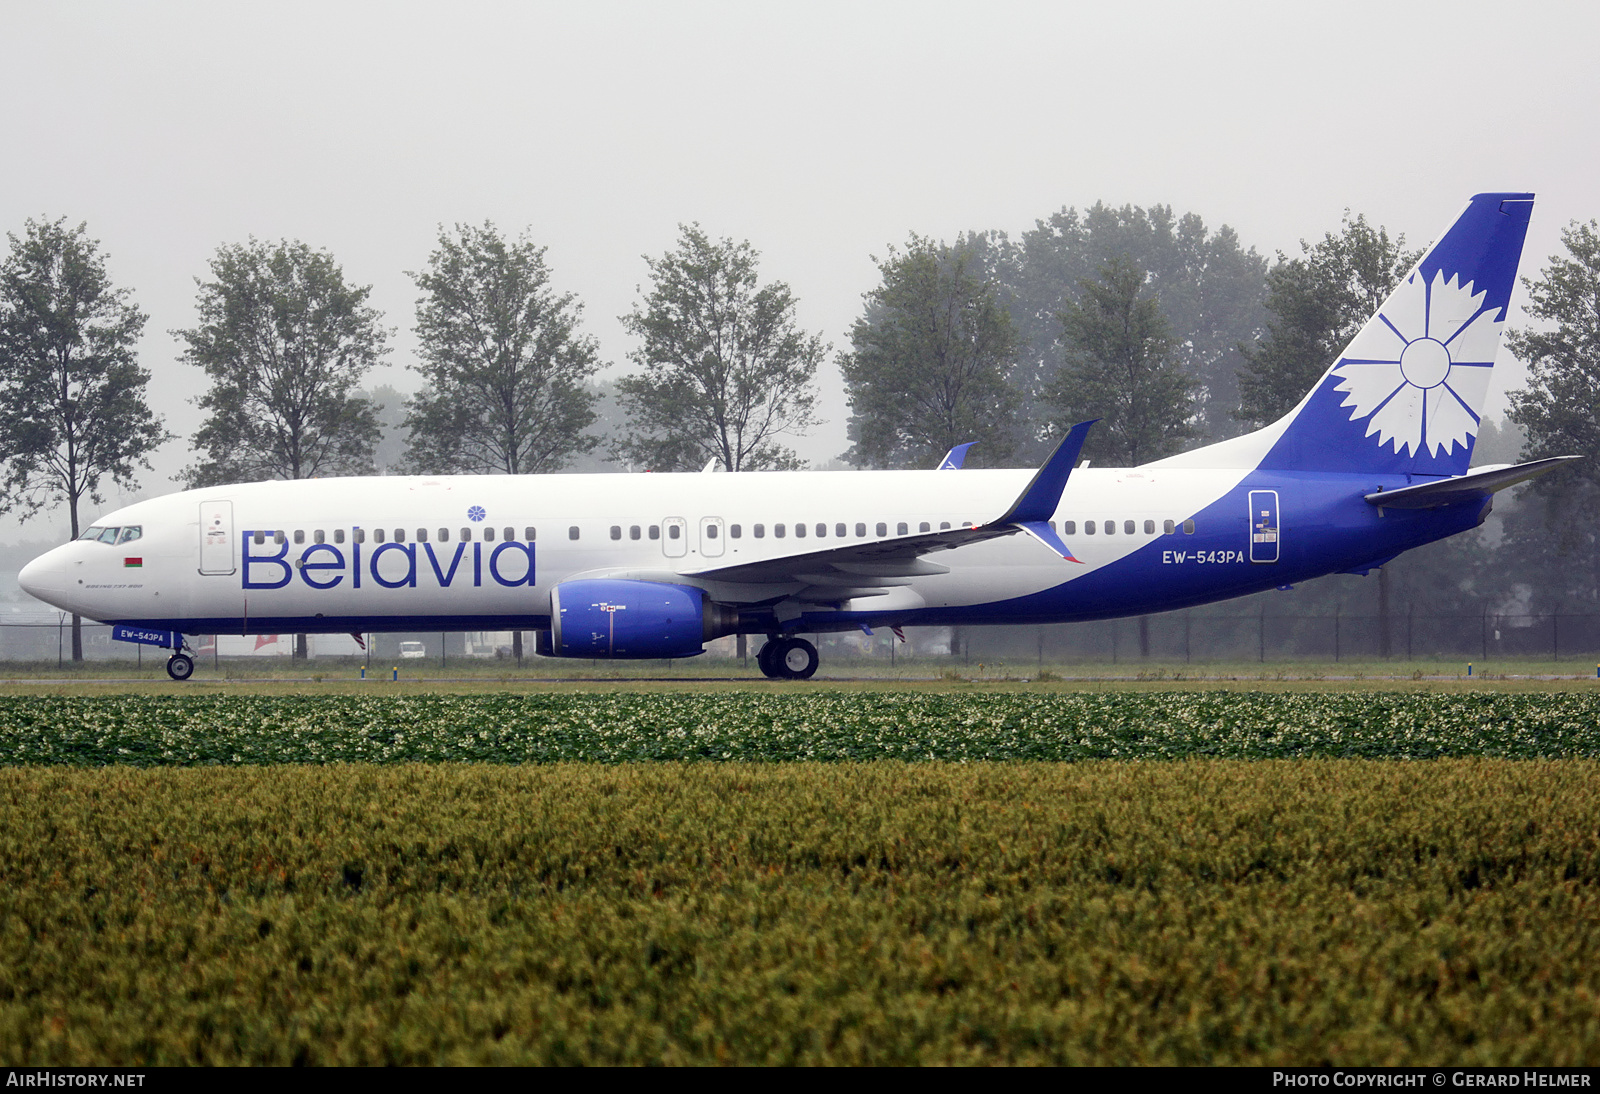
pixel 1170 333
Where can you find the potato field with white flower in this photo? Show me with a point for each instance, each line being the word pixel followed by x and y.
pixel 799 876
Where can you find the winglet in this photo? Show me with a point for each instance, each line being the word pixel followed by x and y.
pixel 1041 531
pixel 1037 502
pixel 954 458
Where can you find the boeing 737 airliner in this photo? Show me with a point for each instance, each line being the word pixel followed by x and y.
pixel 1374 461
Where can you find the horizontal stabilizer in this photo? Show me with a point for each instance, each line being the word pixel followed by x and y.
pixel 1474 484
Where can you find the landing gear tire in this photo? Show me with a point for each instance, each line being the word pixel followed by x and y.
pixel 180 666
pixel 796 659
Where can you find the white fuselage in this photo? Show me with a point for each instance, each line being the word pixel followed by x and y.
pixel 444 553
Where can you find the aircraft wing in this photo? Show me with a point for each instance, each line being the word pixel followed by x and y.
pixel 835 574
pixel 1480 482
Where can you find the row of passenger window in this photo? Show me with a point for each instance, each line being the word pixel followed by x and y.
pixel 383 535
pixel 903 528
pixel 1129 527
pixel 653 531
pixel 759 531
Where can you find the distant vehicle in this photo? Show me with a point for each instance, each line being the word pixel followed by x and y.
pixel 1373 462
pixel 409 650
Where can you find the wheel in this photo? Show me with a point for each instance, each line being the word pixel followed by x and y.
pixel 180 666
pixel 766 658
pixel 797 659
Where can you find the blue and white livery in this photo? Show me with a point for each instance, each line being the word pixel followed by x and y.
pixel 1374 461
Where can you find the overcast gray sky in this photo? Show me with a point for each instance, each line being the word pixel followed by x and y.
pixel 820 132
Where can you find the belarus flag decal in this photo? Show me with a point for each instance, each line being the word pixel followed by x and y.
pixel 132 561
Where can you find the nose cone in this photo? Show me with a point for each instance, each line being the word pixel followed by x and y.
pixel 42 578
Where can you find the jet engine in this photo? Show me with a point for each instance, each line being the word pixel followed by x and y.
pixel 624 618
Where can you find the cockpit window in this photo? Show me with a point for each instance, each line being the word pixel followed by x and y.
pixel 130 533
pixel 109 535
pixel 91 533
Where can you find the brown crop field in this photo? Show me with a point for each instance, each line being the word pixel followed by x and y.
pixel 1185 911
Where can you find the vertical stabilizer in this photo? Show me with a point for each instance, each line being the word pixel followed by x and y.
pixel 1406 394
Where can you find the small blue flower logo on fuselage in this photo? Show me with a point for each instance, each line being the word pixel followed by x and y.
pixel 476 513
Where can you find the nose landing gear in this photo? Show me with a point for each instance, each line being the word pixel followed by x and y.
pixel 787 659
pixel 180 666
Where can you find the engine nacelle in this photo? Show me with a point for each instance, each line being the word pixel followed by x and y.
pixel 623 618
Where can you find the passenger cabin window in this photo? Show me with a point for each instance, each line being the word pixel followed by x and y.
pixel 799 531
pixel 674 532
pixel 944 526
pixel 1188 527
pixel 655 531
pixel 822 530
pixel 883 529
pixel 299 536
pixel 902 528
pixel 277 537
pixel 840 530
pixel 358 535
pixel 1127 527
pixel 338 535
pixel 616 531
pixel 444 535
pixel 633 531
pixel 711 531
pixel 1169 527
pixel 1149 527
pixel 530 534
pixel 778 530
pixel 1111 528
pixel 318 537
pixel 377 535
pixel 734 531
pixel 759 531
pixel 399 535
pixel 924 527
pixel 488 535
pixel 422 535
pixel 1069 527
pixel 466 535
pixel 1088 527
pixel 260 538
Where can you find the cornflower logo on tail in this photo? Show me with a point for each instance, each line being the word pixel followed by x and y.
pixel 1419 369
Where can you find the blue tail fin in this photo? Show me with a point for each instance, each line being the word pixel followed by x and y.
pixel 1405 396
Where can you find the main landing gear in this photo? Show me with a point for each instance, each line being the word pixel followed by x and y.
pixel 788 659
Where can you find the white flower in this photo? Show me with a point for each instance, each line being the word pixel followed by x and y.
pixel 1420 367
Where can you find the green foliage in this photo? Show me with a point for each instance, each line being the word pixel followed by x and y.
pixel 726 372
pixel 1192 913
pixel 1208 286
pixel 1560 409
pixel 784 727
pixel 72 395
pixel 1119 368
pixel 1318 304
pixel 504 362
pixel 929 361
pixel 285 342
